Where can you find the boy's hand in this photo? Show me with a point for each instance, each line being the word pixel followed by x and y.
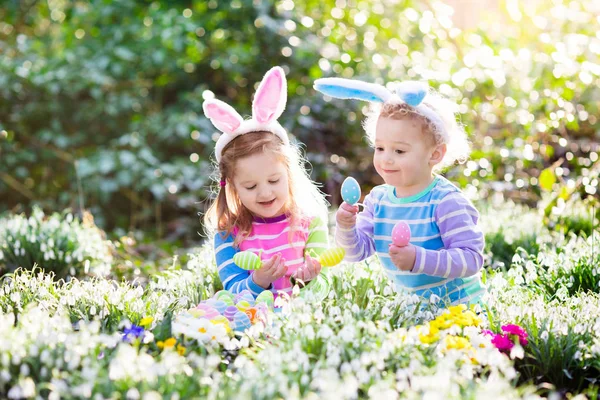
pixel 309 270
pixel 346 215
pixel 271 270
pixel 403 257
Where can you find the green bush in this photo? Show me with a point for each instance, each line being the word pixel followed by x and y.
pixel 59 243
pixel 109 94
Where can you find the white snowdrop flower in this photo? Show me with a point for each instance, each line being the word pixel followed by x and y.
pixel 345 368
pixel 152 395
pixel 517 352
pixel 133 394
pixel 5 376
pixel 24 370
pixel 15 297
pixel 25 389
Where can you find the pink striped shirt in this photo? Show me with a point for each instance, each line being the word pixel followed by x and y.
pixel 267 238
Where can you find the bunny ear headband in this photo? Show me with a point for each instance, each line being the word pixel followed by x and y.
pixel 413 93
pixel 268 105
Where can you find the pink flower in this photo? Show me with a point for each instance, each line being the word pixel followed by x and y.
pixel 512 329
pixel 502 342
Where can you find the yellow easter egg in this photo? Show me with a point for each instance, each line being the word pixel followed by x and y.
pixel 332 257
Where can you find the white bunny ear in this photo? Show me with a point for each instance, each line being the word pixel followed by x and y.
pixel 341 88
pixel 222 115
pixel 271 96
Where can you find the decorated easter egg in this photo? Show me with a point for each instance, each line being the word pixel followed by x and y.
pixel 241 322
pixel 262 310
pixel 224 296
pixel 350 191
pixel 247 260
pixel 265 297
pixel 230 312
pixel 207 311
pixel 218 305
pixel 332 257
pixel 221 320
pixel 243 305
pixel 244 295
pixel 401 234
pixel 251 313
pixel 317 289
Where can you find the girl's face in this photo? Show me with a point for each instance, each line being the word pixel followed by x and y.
pixel 405 155
pixel 261 181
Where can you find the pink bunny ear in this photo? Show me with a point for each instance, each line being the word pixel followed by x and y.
pixel 271 96
pixel 222 115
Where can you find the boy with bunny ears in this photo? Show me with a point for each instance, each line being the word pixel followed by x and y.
pixel 266 203
pixel 414 133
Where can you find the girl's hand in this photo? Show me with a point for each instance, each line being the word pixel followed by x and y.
pixel 403 257
pixel 309 270
pixel 346 215
pixel 271 270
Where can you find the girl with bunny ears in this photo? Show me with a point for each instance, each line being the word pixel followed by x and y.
pixel 266 202
pixel 414 133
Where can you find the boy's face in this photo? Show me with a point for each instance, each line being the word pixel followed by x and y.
pixel 404 154
pixel 261 182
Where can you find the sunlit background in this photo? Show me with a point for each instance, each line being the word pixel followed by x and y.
pixel 100 102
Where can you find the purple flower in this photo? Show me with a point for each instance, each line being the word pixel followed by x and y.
pixel 512 329
pixel 133 332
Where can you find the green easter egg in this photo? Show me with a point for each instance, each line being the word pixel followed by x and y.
pixel 243 305
pixel 225 296
pixel 247 260
pixel 317 289
pixel 266 297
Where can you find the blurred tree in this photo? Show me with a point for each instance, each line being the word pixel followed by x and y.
pixel 100 101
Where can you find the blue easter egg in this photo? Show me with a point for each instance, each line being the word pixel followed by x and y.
pixel 241 321
pixel 243 295
pixel 350 191
pixel 219 305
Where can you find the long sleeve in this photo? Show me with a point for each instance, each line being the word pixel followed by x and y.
pixel 234 278
pixel 463 240
pixel 358 241
pixel 318 237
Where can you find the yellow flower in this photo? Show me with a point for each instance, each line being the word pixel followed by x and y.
pixel 457 342
pixel 455 310
pixel 181 350
pixel 170 342
pixel 167 344
pixel 430 338
pixel 146 321
pixel 442 322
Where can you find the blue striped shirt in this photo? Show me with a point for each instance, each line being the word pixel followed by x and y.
pixel 443 223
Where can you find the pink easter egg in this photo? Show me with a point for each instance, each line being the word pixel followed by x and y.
pixel 208 311
pixel 401 234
